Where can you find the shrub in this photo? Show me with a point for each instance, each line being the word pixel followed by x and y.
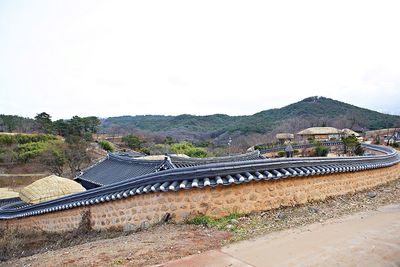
pixel 169 140
pixel 159 149
pixel 7 139
pixel 30 138
pixel 260 147
pixel 395 145
pixel 7 155
pixel 88 137
pixel 321 151
pixel 133 142
pixel 106 145
pixel 31 150
pixel 145 150
pixel 28 151
pixel 281 154
pixel 359 151
pixel 351 145
pixel 205 220
pixel 188 149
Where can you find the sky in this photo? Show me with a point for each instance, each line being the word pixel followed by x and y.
pixel 113 58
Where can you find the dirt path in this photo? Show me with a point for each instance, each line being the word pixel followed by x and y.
pixel 364 239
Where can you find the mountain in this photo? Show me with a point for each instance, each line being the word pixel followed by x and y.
pixel 312 111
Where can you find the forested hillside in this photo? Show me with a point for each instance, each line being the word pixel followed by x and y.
pixel 312 111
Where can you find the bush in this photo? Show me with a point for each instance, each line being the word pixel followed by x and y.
pixel 28 151
pixel 133 142
pixel 145 150
pixel 395 145
pixel 88 137
pixel 30 138
pixel 7 139
pixel 202 220
pixel 260 147
pixel 321 151
pixel 31 150
pixel 351 144
pixel 281 154
pixel 188 149
pixel 359 151
pixel 7 156
pixel 169 140
pixel 159 149
pixel 106 145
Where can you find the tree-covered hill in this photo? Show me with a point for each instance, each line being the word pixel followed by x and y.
pixel 13 123
pixel 312 111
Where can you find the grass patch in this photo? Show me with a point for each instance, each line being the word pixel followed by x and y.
pixel 225 223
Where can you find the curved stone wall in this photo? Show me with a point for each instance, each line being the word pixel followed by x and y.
pixel 213 201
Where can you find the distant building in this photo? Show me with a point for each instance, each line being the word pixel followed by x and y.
pixel 320 133
pixel 390 134
pixel 349 132
pixel 284 137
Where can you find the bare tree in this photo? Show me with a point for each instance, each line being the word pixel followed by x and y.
pixel 76 154
pixel 391 134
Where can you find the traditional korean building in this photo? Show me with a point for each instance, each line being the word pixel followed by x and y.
pixel 116 167
pixel 283 138
pixel 320 133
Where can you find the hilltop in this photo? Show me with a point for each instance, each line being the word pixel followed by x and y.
pixel 312 111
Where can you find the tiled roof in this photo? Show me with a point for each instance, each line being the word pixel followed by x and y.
pixel 213 174
pixel 115 168
pixel 181 162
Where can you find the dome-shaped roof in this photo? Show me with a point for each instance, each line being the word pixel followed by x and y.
pixel 48 188
pixel 319 130
pixel 7 193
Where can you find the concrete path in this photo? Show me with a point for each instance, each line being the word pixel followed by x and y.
pixel 363 239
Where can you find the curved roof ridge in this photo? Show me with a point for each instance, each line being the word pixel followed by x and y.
pixel 134 160
pixel 216 159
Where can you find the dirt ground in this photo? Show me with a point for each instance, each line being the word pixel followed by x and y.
pixel 167 242
pixel 369 238
pixel 159 244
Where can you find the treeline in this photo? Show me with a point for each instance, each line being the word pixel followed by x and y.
pixel 42 123
pixel 73 153
pixel 13 123
pixel 76 126
pixel 44 146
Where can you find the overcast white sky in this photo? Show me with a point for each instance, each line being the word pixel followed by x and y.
pixel 110 58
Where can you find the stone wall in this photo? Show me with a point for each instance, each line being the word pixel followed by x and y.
pixel 150 208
